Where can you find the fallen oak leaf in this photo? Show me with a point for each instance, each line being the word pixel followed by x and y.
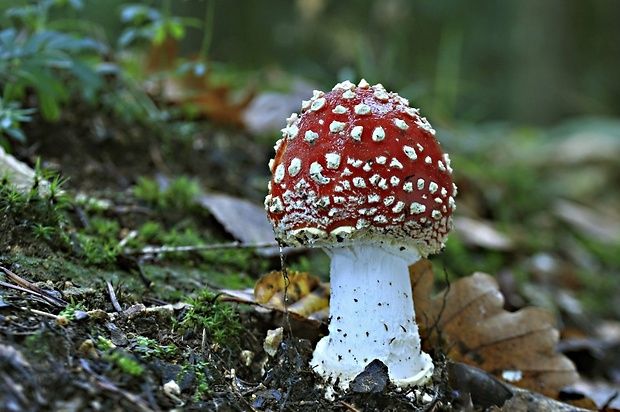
pixel 274 286
pixel 307 298
pixel 247 297
pixel 468 322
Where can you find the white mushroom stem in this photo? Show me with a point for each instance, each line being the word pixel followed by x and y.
pixel 372 317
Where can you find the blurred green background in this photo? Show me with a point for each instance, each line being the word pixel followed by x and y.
pixel 526 61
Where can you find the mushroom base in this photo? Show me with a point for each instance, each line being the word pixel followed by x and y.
pixel 371 317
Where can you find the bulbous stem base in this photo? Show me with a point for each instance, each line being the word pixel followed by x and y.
pixel 371 317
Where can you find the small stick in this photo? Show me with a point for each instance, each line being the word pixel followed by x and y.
pixel 112 294
pixel 349 406
pixel 40 312
pixel 174 249
pixel 28 287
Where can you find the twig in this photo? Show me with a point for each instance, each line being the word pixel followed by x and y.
pixel 176 249
pixel 349 406
pixel 610 400
pixel 28 287
pixel 112 294
pixel 40 312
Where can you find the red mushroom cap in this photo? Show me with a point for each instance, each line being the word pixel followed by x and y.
pixel 359 164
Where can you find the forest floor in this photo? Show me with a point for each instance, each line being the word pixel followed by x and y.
pixel 91 320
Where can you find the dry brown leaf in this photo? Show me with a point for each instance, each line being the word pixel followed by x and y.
pixel 307 297
pixel 243 219
pixel 305 294
pixel 272 287
pixel 481 233
pixel 469 323
pixel 209 100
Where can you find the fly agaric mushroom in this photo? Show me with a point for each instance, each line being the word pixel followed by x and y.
pixel 360 174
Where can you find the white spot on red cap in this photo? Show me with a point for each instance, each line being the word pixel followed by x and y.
pixel 381 93
pixel 348 95
pixel 294 167
pixel 378 134
pixel 340 109
pixel 317 104
pixel 276 205
pixel 401 124
pixel 383 184
pixel 356 133
pixel 362 109
pixel 410 152
pixel 417 208
pixel 451 203
pixel 380 219
pixel 323 202
pixel 425 125
pixel 354 162
pixel 408 187
pixel 332 160
pixel 432 187
pixel 345 85
pixel 420 184
pixel 316 174
pixel 395 163
pixel 359 182
pixel 336 126
pixel 446 160
pixel 363 84
pixel 310 136
pixel 279 174
pixel 412 112
pixel 290 132
pixel 398 207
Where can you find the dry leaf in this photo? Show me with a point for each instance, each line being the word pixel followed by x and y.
pixel 596 223
pixel 477 232
pixel 469 323
pixel 264 114
pixel 209 100
pixel 19 173
pixel 305 294
pixel 307 298
pixel 245 220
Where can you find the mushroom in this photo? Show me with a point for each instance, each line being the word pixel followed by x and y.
pixel 360 174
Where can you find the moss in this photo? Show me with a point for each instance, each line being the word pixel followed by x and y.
pixel 219 321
